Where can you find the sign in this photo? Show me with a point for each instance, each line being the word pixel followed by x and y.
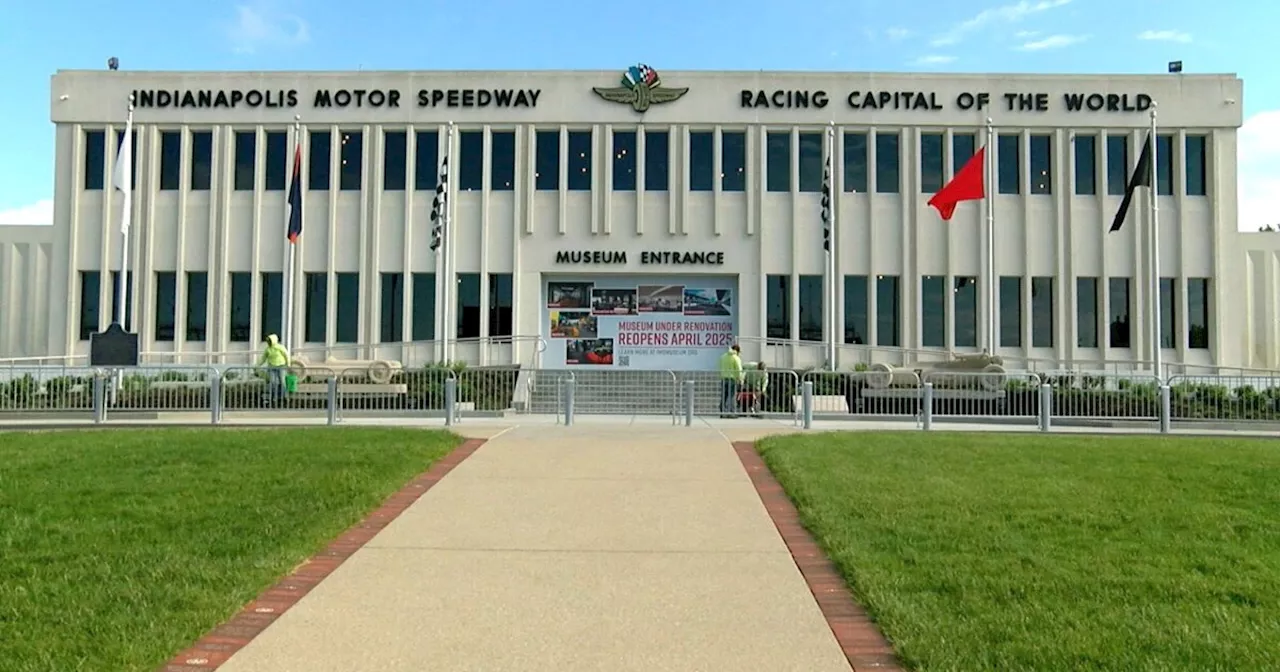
pixel 641 87
pixel 646 257
pixel 643 323
pixel 1090 101
pixel 334 98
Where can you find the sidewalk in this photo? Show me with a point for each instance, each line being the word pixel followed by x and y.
pixel 589 547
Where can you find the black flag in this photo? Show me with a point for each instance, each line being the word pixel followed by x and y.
pixel 1141 178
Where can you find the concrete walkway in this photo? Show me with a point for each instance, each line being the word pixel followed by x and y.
pixel 593 547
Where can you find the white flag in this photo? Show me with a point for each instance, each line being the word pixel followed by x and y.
pixel 122 177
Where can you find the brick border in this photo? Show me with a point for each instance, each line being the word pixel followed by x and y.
pixel 863 644
pixel 224 641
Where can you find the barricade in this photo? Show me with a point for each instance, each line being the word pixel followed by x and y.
pixel 1007 396
pixel 1234 398
pixel 768 393
pixel 41 389
pixel 622 392
pixel 1104 396
pixel 879 394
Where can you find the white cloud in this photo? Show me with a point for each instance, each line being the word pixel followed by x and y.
pixel 1026 34
pixel 1165 36
pixel 1258 166
pixel 896 34
pixel 1007 14
pixel 40 212
pixel 1053 42
pixel 262 25
pixel 934 60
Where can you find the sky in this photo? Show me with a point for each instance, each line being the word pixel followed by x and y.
pixel 1031 36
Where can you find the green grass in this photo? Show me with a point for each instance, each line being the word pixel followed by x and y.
pixel 120 548
pixel 1025 552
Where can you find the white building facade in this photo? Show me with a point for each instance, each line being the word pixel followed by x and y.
pixel 595 223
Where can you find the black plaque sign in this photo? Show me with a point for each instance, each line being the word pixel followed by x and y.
pixel 113 347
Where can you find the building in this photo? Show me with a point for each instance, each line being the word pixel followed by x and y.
pixel 598 221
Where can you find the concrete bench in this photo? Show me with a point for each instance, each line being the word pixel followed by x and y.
pixel 824 403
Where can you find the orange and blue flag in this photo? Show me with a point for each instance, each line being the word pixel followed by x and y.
pixel 295 196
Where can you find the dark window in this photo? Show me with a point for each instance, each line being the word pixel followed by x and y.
pixel 1009 167
pixel 778 161
pixel 933 311
pixel 1168 311
pixel 424 307
pixel 241 314
pixel 170 160
pixel 90 299
pixel 197 306
pixel 95 159
pixel 1010 311
pixel 1086 148
pixel 1198 313
pixel 888 311
pixel 855 162
pixel 1118 302
pixel 166 305
pixel 129 306
pixel 855 309
pixel 391 317
pixel 1041 161
pixel 1195 160
pixel 1164 165
pixel 318 156
pixel 347 327
pixel 546 176
pixel 811 321
pixel 930 163
pixel 317 297
pixel 133 168
pixel 965 304
pixel 624 161
pixel 279 163
pixel 1087 312
pixel 351 160
pixel 395 160
pixel 471 160
pixel 579 161
pixel 888 164
pixel 468 306
pixel 701 161
pixel 657 161
pixel 246 144
pixel 733 161
pixel 500 304
pixel 502 161
pixel 811 162
pixel 778 307
pixel 272 305
pixel 1117 164
pixel 1042 312
pixel 963 145
pixel 201 160
pixel 426 160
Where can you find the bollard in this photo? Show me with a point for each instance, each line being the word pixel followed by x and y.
pixel 568 401
pixel 450 400
pixel 1166 409
pixel 926 410
pixel 1046 406
pixel 215 399
pixel 806 403
pixel 688 403
pixel 99 399
pixel 332 406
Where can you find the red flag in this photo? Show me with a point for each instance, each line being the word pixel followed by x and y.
pixel 967 185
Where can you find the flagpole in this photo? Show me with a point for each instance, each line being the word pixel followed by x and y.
pixel 991 235
pixel 286 321
pixel 1154 195
pixel 126 215
pixel 831 251
pixel 449 332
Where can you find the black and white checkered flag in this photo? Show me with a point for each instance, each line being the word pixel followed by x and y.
pixel 826 205
pixel 439 205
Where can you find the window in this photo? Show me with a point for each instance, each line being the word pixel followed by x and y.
pixel 701 161
pixel 963 146
pixel 1087 312
pixel 579 161
pixel 733 161
pixel 90 296
pixel 347 325
pixel 778 161
pixel 95 159
pixel 547 161
pixel 1009 165
pixel 624 160
pixel 657 161
pixel 197 306
pixel 1168 310
pixel 170 160
pixel 1042 312
pixel 424 307
pixel 1198 313
pixel 1086 148
pixel 1010 312
pixel 470 160
pixel 965 304
pixel 502 161
pixel 319 154
pixel 933 311
pixel 778 307
pixel 500 303
pixel 1164 165
pixel 468 314
pixel 126 321
pixel 246 144
pixel 272 305
pixel 426 160
pixel 811 308
pixel 930 163
pixel 888 311
pixel 855 162
pixel 855 309
pixel 811 162
pixel 166 306
pixel 317 292
pixel 1118 299
pixel 241 305
pixel 391 317
pixel 888 172
pixel 133 168
pixel 1194 159
pixel 395 160
pixel 1041 147
pixel 201 160
pixel 279 163
pixel 1117 164
pixel 351 160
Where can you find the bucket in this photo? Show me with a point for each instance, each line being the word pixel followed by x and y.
pixel 290 383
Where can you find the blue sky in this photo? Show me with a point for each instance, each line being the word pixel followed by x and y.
pixel 1036 36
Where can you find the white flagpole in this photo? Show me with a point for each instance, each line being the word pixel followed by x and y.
pixel 446 252
pixel 831 253
pixel 124 181
pixel 1154 195
pixel 286 321
pixel 990 167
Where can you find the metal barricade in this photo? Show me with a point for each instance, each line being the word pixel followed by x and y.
pixel 1225 398
pixel 416 392
pixel 1104 396
pixel 880 394
pixel 984 396
pixel 46 389
pixel 763 393
pixel 625 392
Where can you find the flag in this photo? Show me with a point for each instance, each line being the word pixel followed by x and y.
pixel 968 184
pixel 826 205
pixel 439 205
pixel 122 175
pixel 295 195
pixel 1141 178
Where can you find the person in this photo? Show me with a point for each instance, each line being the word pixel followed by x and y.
pixel 730 381
pixel 757 384
pixel 276 358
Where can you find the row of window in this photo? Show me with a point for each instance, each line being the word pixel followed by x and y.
pixel 702 176
pixel 963 306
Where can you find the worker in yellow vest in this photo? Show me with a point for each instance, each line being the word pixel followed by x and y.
pixel 730 381
pixel 276 358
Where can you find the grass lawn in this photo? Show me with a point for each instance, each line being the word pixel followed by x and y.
pixel 1025 552
pixel 119 548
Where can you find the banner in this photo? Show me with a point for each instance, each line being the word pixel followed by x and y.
pixel 643 323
